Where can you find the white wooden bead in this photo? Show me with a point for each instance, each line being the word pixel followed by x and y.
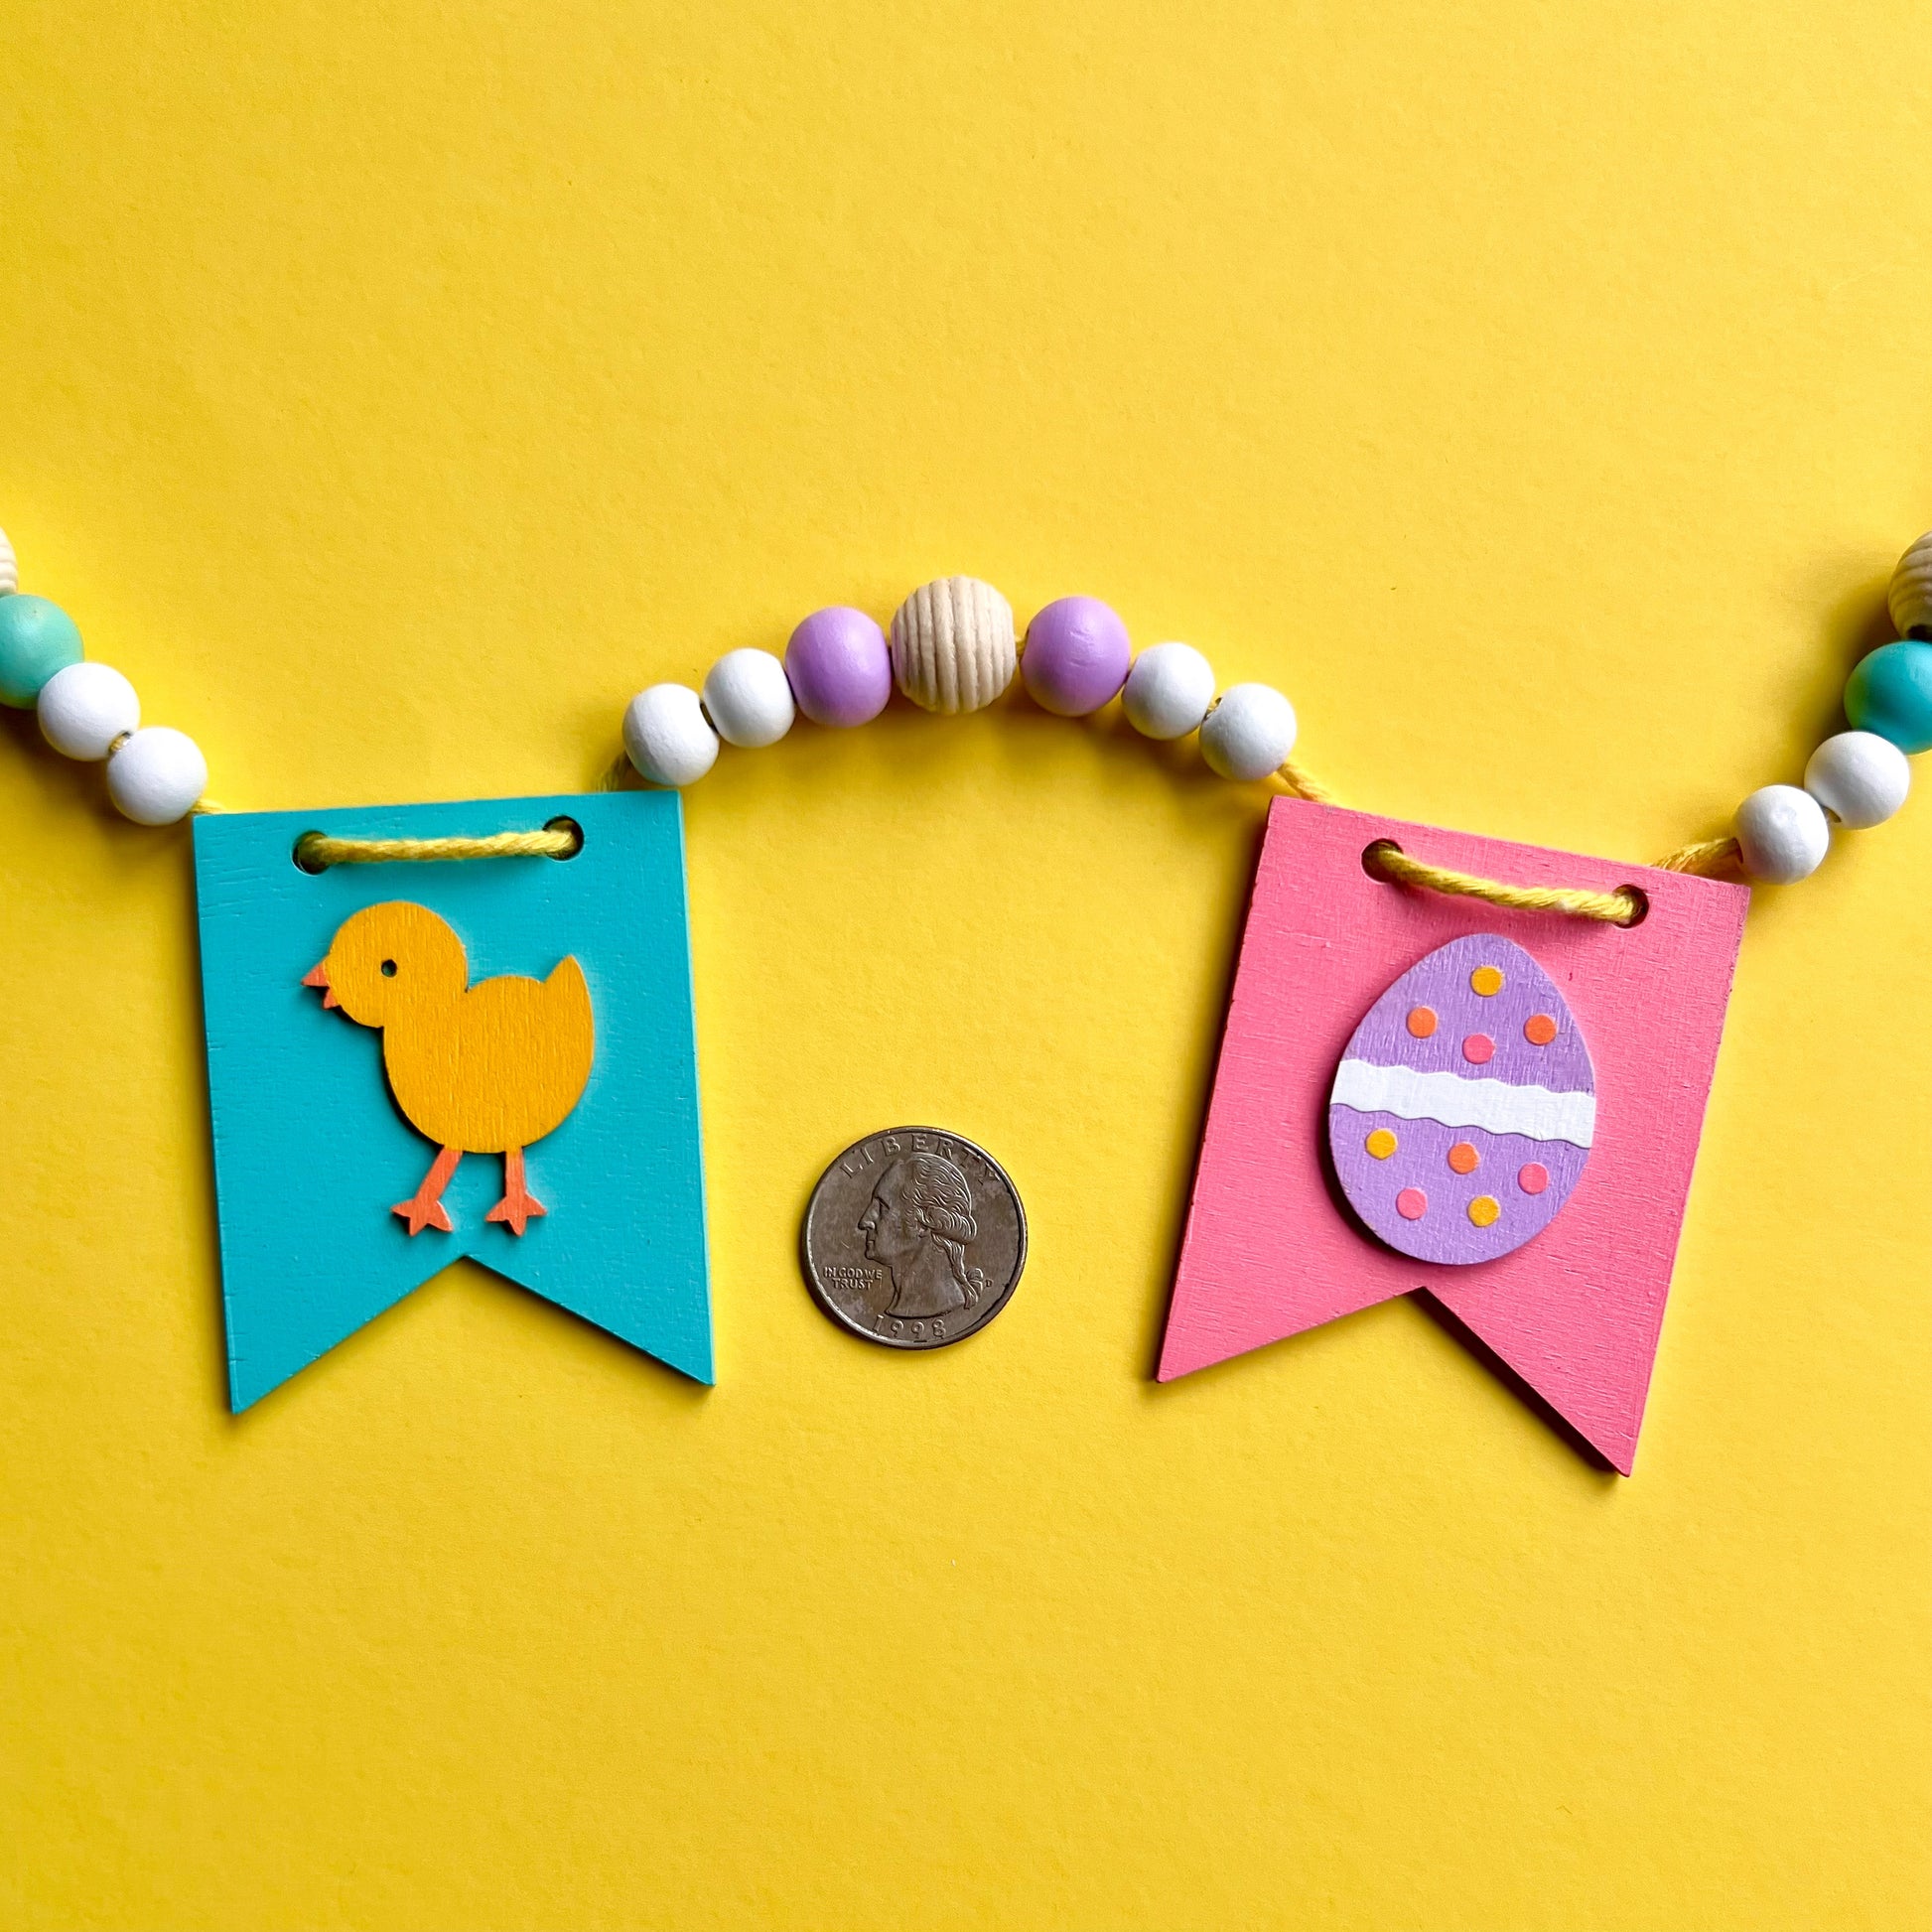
pixel 1858 778
pixel 85 708
pixel 747 698
pixel 667 736
pixel 1783 834
pixel 9 570
pixel 1249 732
pixel 157 776
pixel 1910 596
pixel 953 645
pixel 1168 691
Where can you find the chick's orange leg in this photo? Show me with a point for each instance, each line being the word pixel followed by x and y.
pixel 425 1209
pixel 518 1205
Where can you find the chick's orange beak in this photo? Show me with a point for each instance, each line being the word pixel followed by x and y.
pixel 318 975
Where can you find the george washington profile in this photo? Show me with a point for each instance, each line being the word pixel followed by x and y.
pixel 916 1225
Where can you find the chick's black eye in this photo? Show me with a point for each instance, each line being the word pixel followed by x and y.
pixel 388 969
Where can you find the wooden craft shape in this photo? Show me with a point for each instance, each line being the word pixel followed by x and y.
pixel 1464 1105
pixel 1273 1245
pixel 593 1068
pixel 487 1068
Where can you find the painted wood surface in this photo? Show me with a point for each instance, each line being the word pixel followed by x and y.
pixel 1464 1105
pixel 477 1069
pixel 1272 1247
pixel 583 1080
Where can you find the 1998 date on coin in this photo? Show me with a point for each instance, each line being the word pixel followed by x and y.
pixel 914 1238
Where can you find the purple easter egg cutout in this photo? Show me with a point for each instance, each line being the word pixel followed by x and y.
pixel 1465 1104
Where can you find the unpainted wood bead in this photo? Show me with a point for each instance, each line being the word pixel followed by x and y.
pixel 1910 596
pixel 747 699
pixel 1249 734
pixel 85 708
pixel 1782 833
pixel 953 644
pixel 9 569
pixel 157 776
pixel 1858 778
pixel 666 737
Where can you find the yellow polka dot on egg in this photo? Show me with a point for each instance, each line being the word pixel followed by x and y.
pixel 1484 1210
pixel 1487 979
pixel 1381 1144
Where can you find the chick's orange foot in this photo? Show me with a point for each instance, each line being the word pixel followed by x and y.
pixel 424 1208
pixel 518 1206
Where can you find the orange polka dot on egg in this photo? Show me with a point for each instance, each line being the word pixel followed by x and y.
pixel 1539 1028
pixel 1463 1159
pixel 1421 1022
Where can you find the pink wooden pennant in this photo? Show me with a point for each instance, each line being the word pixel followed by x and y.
pixel 1272 1244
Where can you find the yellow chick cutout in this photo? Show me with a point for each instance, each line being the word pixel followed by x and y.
pixel 488 1068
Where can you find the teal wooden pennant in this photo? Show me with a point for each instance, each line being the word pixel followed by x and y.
pixel 489 1057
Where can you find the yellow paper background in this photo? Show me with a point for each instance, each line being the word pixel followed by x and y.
pixel 1538 394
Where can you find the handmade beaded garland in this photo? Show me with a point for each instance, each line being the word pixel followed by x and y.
pixel 1478 1091
pixel 952 648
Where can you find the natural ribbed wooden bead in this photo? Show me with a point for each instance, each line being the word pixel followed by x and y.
pixel 952 645
pixel 1910 596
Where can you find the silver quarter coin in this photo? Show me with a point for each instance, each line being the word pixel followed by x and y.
pixel 914 1238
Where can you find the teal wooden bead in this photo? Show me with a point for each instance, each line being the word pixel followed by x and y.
pixel 37 639
pixel 1890 693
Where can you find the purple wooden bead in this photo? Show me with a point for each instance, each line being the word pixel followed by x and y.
pixel 1076 657
pixel 840 668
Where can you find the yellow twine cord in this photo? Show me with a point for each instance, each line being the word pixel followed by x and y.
pixel 1708 858
pixel 1625 907
pixel 1301 785
pixel 317 851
